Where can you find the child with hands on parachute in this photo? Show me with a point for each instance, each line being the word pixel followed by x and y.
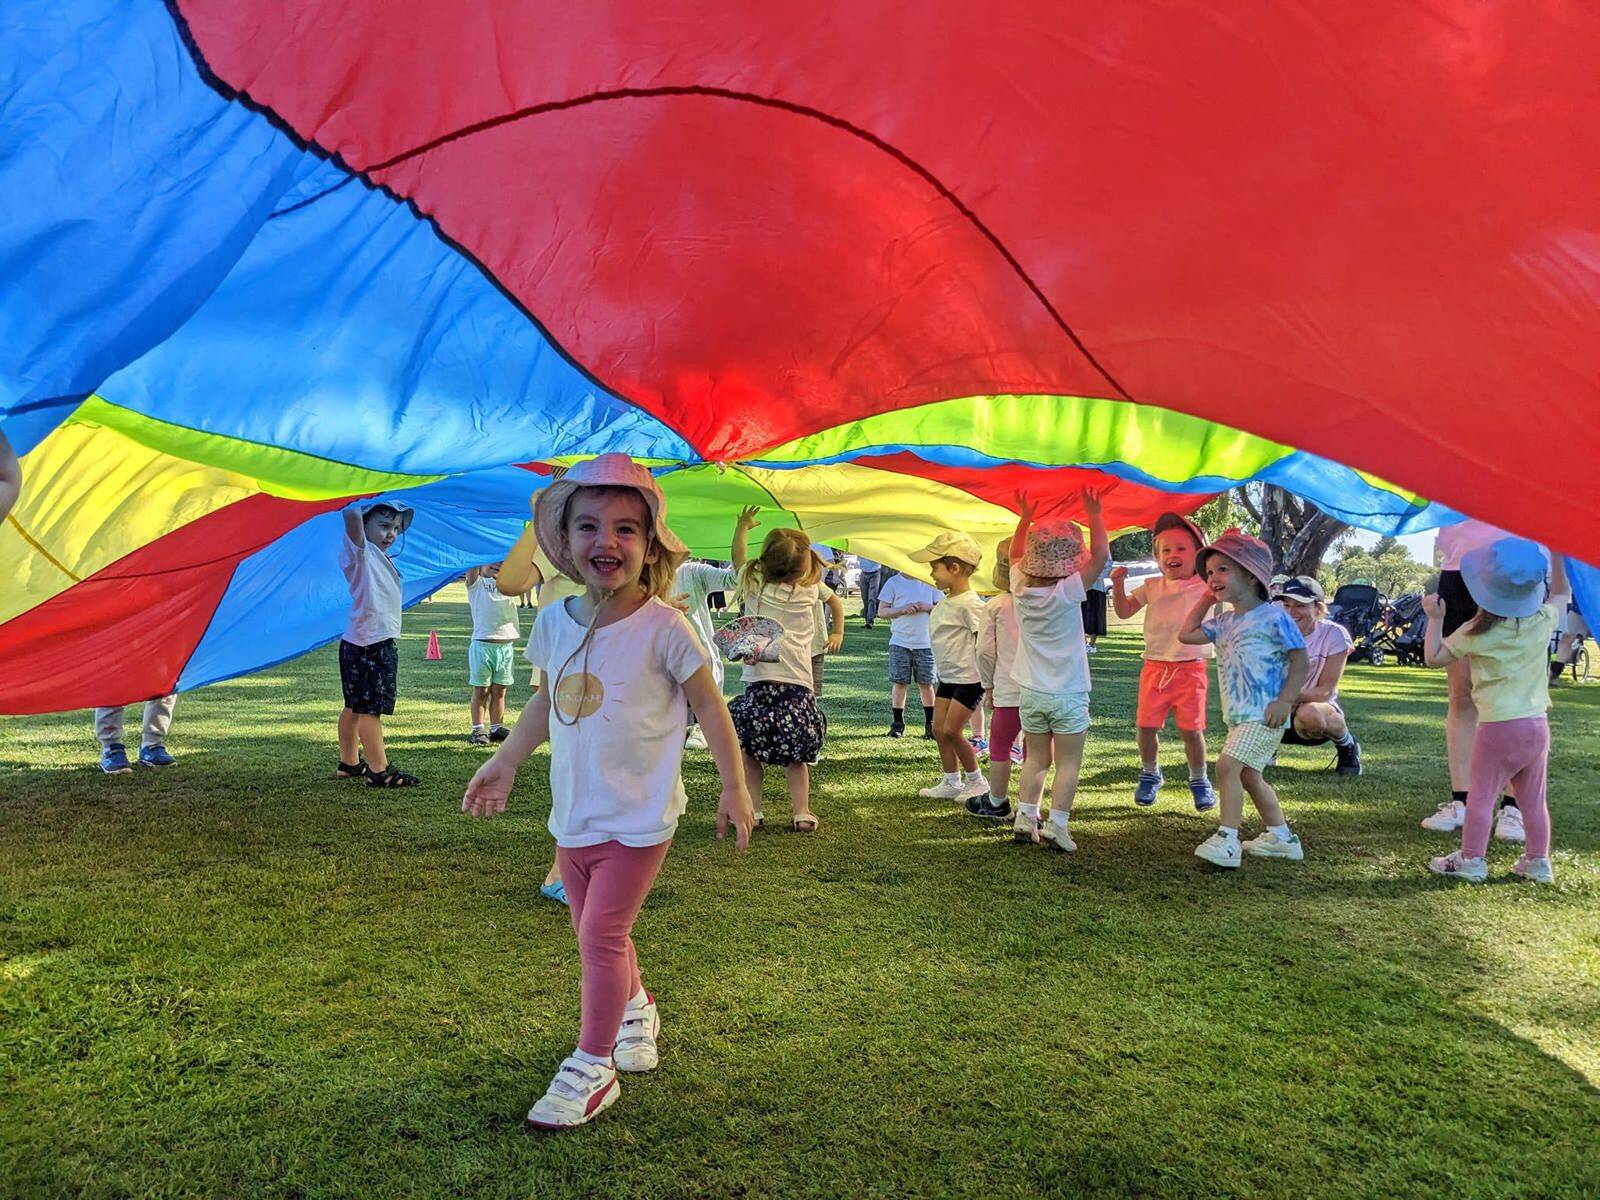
pixel 1261 665
pixel 616 667
pixel 1050 574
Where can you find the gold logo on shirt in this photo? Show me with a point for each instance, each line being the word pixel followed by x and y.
pixel 579 696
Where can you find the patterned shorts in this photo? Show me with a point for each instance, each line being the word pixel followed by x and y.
pixel 907 665
pixel 1252 743
pixel 369 676
pixel 778 723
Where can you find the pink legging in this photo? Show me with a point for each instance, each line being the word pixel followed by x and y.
pixel 1005 727
pixel 606 887
pixel 1514 752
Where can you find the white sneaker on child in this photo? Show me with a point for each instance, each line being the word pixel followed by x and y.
pixel 1534 870
pixel 636 1048
pixel 1057 837
pixel 945 789
pixel 1270 845
pixel 977 786
pixel 1458 866
pixel 1452 815
pixel 1219 851
pixel 1025 828
pixel 580 1092
pixel 695 739
pixel 1508 825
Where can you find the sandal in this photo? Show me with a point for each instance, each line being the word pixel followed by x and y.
pixel 804 823
pixel 357 770
pixel 392 778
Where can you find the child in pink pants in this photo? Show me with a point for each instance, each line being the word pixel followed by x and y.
pixel 619 668
pixel 1506 648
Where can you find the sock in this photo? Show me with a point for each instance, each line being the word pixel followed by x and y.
pixel 971 776
pixel 952 777
pixel 639 999
pixel 899 715
pixel 477 728
pixel 1198 776
pixel 583 1055
pixel 1058 817
pixel 927 715
pixel 1230 834
pixel 1149 768
pixel 1030 810
pixel 1346 740
pixel 1281 830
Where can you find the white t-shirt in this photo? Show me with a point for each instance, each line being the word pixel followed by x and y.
pixel 997 651
pixel 910 631
pixel 795 608
pixel 1326 639
pixel 953 630
pixel 1166 603
pixel 695 581
pixel 494 617
pixel 1050 651
pixel 374 593
pixel 615 774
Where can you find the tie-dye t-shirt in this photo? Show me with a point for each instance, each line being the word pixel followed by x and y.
pixel 1252 659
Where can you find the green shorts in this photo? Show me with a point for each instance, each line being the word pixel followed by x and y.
pixel 1252 743
pixel 1053 712
pixel 490 663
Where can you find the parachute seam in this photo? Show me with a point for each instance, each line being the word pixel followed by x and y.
pixel 51 558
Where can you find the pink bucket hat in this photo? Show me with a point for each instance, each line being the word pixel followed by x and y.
pixel 1054 549
pixel 609 470
pixel 1251 553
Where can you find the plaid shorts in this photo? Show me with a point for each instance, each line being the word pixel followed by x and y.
pixel 1252 743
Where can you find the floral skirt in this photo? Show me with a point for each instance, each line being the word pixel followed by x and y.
pixel 778 723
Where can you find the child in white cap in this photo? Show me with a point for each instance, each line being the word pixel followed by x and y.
pixel 952 559
pixel 1261 665
pixel 1505 646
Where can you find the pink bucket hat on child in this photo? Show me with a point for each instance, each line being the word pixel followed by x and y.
pixel 950 545
pixel 609 470
pixel 1251 553
pixel 1054 549
pixel 1171 520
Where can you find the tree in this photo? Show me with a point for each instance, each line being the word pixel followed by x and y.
pixel 1387 565
pixel 1299 532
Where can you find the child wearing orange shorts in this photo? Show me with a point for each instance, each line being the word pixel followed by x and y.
pixel 1173 680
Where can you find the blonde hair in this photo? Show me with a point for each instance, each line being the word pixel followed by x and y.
pixel 656 576
pixel 786 557
pixel 1002 565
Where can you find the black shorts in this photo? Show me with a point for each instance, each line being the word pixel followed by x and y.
pixel 1459 606
pixel 1094 613
pixel 968 695
pixel 369 675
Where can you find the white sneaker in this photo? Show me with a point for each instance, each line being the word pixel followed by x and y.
pixel 978 787
pixel 580 1092
pixel 636 1038
pixel 1534 870
pixel 1270 845
pixel 1508 825
pixel 945 789
pixel 1219 851
pixel 695 739
pixel 1025 828
pixel 1450 817
pixel 1057 837
pixel 1458 866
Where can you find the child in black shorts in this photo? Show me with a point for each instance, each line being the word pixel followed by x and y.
pixel 369 655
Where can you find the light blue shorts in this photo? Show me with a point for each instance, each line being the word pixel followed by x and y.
pixel 490 663
pixel 1054 712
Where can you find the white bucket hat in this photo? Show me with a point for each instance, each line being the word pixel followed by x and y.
pixel 950 545
pixel 609 470
pixel 1507 577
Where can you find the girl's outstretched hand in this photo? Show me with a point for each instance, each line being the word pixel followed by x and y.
pixel 748 515
pixel 1432 606
pixel 489 790
pixel 1025 506
pixel 1091 501
pixel 1118 574
pixel 735 808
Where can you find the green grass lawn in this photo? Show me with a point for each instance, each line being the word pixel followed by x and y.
pixel 238 977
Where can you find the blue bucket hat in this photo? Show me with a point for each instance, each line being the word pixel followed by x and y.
pixel 1507 577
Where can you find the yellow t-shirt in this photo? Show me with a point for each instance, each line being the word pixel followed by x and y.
pixel 1510 665
pixel 556 586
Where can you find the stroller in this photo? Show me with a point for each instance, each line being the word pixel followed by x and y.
pixel 1359 608
pixel 1399 632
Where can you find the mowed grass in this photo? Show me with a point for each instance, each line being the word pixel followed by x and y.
pixel 239 977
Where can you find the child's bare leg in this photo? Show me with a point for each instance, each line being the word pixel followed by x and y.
pixel 369 728
pixel 1230 791
pixel 950 730
pixel 1067 750
pixel 798 777
pixel 554 875
pixel 927 694
pixel 1194 749
pixel 999 775
pixel 897 695
pixel 479 696
pixel 1266 800
pixel 941 738
pixel 1034 766
pixel 497 704
pixel 1149 748
pixel 978 723
pixel 348 751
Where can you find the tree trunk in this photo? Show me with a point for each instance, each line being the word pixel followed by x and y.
pixel 1298 531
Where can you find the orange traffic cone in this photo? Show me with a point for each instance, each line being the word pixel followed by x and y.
pixel 433 654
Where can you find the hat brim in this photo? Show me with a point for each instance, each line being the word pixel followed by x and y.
pixel 406 513
pixel 1264 578
pixel 924 556
pixel 1502 602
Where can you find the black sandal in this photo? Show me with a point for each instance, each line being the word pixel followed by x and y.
pixel 391 778
pixel 347 771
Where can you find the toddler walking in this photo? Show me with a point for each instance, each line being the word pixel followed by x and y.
pixel 953 630
pixel 997 655
pixel 1261 665
pixel 491 654
pixel 369 652
pixel 616 667
pixel 1505 647
pixel 1049 574
pixel 1173 679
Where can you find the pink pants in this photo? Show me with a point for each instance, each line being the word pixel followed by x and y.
pixel 606 886
pixel 1005 727
pixel 1514 752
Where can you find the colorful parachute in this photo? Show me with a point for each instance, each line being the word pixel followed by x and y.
pixel 873 269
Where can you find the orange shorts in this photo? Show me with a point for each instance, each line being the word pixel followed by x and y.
pixel 1179 688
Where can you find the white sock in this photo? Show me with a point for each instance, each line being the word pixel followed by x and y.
pixel 952 777
pixel 477 729
pixel 639 999
pixel 1230 834
pixel 583 1055
pixel 1281 830
pixel 971 776
pixel 1057 817
pixel 1029 810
